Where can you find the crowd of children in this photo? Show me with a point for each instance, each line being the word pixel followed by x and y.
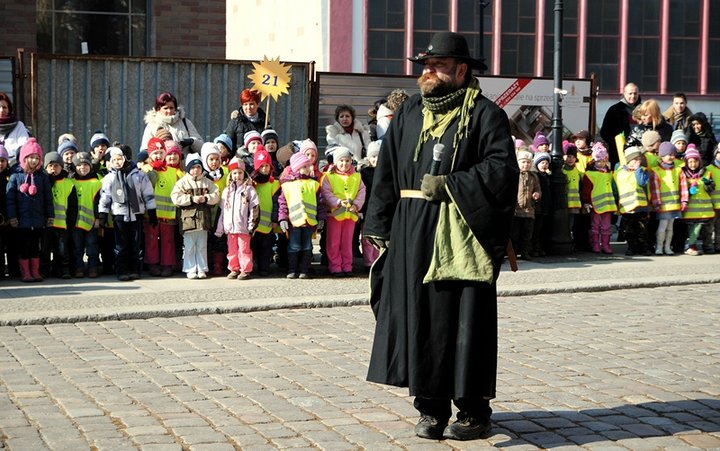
pixel 664 196
pixel 237 212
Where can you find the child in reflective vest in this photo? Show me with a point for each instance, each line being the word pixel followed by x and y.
pixel 711 240
pixel 631 180
pixel 598 199
pixel 696 186
pixel 160 238
pixel 239 207
pixel 300 213
pixel 85 232
pixel 56 249
pixel 344 194
pixel 665 196
pixel 268 190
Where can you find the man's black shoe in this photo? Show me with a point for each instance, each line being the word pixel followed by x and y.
pixel 467 428
pixel 430 427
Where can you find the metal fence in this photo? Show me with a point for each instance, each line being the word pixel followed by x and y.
pixel 81 94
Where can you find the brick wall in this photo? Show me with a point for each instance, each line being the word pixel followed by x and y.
pixel 19 29
pixel 188 29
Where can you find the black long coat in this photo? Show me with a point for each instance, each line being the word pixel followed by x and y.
pixel 439 339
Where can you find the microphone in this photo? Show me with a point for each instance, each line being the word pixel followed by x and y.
pixel 438 150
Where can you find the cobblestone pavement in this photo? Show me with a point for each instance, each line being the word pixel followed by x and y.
pixel 637 369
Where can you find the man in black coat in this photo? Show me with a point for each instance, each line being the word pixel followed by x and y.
pixel 442 239
pixel 618 119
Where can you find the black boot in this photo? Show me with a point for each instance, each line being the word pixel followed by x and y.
pixel 467 427
pixel 305 261
pixel 292 265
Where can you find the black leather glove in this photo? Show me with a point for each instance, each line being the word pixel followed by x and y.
pixel 378 242
pixel 152 217
pixel 186 142
pixel 103 218
pixel 433 188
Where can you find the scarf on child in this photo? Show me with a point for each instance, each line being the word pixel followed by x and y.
pixel 123 190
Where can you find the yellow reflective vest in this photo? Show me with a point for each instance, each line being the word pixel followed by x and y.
pixel 630 194
pixel 669 188
pixel 165 182
pixel 301 198
pixel 700 205
pixel 61 191
pixel 602 198
pixel 715 195
pixel 87 192
pixel 266 191
pixel 573 176
pixel 344 187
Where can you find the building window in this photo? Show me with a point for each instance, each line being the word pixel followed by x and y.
pixel 113 27
pixel 713 79
pixel 468 26
pixel 430 17
pixel 386 37
pixel 569 41
pixel 603 31
pixel 517 54
pixel 643 58
pixel 684 46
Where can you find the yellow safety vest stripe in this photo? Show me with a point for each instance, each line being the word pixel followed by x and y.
pixel 87 192
pixel 669 188
pixel 631 195
pixel 265 192
pixel 573 187
pixel 61 191
pixel 344 187
pixel 301 198
pixel 601 195
pixel 163 189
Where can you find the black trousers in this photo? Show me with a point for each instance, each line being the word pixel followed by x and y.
pixel 441 409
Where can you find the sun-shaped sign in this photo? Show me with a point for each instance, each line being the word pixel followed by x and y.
pixel 270 78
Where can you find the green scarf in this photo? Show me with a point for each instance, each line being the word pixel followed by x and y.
pixel 439 113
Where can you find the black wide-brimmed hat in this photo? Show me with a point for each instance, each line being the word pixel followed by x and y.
pixel 447 44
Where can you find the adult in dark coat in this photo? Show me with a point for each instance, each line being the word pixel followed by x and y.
pixel 436 331
pixel 248 117
pixel 618 119
pixel 701 134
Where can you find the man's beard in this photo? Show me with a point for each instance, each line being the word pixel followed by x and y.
pixel 432 86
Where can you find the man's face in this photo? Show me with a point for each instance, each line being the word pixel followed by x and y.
pixel 441 76
pixel 679 104
pixel 631 94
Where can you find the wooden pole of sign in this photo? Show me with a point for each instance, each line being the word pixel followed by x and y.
pixel 267 111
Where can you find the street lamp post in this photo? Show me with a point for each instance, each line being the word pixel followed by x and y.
pixel 560 240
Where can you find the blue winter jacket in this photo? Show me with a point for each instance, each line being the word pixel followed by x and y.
pixel 31 212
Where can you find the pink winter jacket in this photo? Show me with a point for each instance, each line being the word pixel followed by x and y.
pixel 239 209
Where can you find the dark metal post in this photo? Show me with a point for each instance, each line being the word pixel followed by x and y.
pixel 561 242
pixel 481 32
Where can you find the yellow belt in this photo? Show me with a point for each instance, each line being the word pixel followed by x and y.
pixel 413 193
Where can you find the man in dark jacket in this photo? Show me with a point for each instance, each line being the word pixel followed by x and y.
pixel 618 119
pixel 442 240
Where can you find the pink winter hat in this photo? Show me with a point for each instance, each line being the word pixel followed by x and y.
pixel 691 152
pixel 297 161
pixel 31 147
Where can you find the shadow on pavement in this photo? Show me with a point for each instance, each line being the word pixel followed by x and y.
pixel 35 290
pixel 552 429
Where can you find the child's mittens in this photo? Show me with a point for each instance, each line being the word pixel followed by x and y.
pixel 284 226
pixel 693 190
pixel 684 205
pixel 103 219
pixel 709 184
pixel 49 222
